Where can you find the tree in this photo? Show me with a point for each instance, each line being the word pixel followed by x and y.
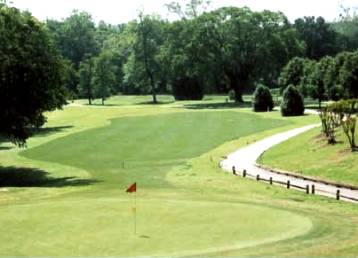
pixel 31 74
pixel 317 88
pixel 103 76
pixel 347 29
pixel 348 75
pixel 190 9
pixel 76 37
pixel 292 73
pixel 86 87
pixel 305 80
pixel 292 103
pixel 181 56
pixel 239 43
pixel 319 36
pixel 148 39
pixel 120 47
pixel 262 101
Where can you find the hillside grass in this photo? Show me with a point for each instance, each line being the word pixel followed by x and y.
pixel 75 202
pixel 310 154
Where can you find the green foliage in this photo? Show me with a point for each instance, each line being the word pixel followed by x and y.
pixel 31 74
pixel 238 42
pixel 262 99
pixel 187 89
pixel 143 67
pixel 348 75
pixel 345 113
pixel 317 88
pixel 347 28
pixel 75 36
pixel 292 103
pixel 103 76
pixel 190 8
pixel 319 37
pixel 292 73
pixel 86 84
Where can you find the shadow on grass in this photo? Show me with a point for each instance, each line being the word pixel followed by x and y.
pixel 50 130
pixel 29 177
pixel 152 103
pixel 105 105
pixel 218 105
pixel 3 148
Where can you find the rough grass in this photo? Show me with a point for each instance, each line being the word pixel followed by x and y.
pixel 186 204
pixel 309 154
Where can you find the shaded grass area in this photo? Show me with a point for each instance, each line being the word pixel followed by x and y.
pixel 309 154
pixel 29 177
pixel 144 148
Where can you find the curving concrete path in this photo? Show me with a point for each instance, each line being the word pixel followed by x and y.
pixel 245 159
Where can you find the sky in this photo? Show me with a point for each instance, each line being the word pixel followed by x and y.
pixel 121 11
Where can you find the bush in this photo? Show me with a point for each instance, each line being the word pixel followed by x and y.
pixel 292 103
pixel 262 99
pixel 185 88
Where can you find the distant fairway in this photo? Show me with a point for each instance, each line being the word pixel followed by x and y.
pixel 144 148
pixel 73 203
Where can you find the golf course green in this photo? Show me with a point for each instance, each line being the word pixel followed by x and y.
pixel 71 199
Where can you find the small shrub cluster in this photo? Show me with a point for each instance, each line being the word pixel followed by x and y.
pixel 292 103
pixel 342 113
pixel 262 99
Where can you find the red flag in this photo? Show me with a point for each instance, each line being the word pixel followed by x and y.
pixel 132 188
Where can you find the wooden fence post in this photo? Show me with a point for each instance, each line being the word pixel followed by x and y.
pixel 313 189
pixel 271 181
pixel 234 170
pixel 244 173
pixel 307 189
pixel 338 195
pixel 288 184
pixel 258 177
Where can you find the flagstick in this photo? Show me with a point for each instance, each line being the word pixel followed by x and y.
pixel 135 212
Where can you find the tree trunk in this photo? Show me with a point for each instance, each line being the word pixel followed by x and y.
pixel 237 86
pixel 154 90
pixel 89 101
pixel 319 104
pixel 102 101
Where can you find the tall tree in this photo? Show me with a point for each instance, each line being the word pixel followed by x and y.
pixel 146 49
pixel 86 87
pixel 348 75
pixel 31 74
pixel 103 76
pixel 77 37
pixel 319 37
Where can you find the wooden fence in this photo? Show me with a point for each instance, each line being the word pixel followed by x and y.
pixel 308 188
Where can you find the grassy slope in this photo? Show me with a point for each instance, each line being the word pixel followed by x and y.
pixel 203 211
pixel 309 154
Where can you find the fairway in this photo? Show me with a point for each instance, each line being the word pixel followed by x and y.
pixel 144 148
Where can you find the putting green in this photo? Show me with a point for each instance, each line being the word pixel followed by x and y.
pixel 104 226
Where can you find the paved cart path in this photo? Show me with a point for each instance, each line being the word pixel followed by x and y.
pixel 245 159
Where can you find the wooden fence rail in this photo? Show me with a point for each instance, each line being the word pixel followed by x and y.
pixel 307 188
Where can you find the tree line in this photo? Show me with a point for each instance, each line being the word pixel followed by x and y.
pixel 203 52
pixel 43 64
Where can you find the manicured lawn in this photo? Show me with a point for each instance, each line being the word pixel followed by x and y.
pixel 144 148
pixel 75 202
pixel 309 154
